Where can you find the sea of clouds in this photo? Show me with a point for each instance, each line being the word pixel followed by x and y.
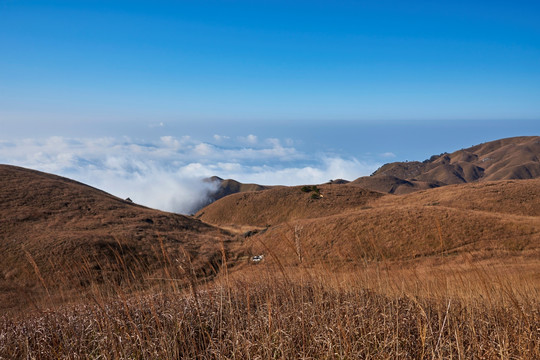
pixel 167 173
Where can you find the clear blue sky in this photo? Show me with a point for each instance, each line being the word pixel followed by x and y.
pixel 371 80
pixel 268 60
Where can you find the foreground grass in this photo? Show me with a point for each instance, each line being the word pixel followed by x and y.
pixel 275 314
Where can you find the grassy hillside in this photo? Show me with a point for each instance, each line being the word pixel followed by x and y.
pixel 274 206
pixel 504 159
pixel 349 227
pixel 58 236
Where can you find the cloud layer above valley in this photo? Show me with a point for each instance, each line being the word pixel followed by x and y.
pixel 167 173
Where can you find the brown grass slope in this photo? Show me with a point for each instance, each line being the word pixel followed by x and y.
pixel 284 204
pixel 511 197
pixel 504 159
pixel 57 235
pixel 485 220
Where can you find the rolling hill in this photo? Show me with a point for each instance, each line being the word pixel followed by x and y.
pixel 483 200
pixel 484 220
pixel 281 204
pixel 59 236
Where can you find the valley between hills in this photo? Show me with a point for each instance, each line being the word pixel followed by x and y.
pixel 447 250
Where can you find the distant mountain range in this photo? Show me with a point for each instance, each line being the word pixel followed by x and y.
pixel 505 159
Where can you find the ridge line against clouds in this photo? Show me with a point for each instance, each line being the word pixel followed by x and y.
pixel 167 173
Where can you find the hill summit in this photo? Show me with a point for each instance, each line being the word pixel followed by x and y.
pixel 229 186
pixel 504 159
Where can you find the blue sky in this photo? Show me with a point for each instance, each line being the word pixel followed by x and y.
pixel 359 82
pixel 251 60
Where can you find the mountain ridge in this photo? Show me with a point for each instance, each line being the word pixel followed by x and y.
pixel 503 159
pixel 229 186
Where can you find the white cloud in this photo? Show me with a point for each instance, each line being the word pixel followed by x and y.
pixel 221 137
pixel 203 149
pixel 321 172
pixel 170 141
pixel 167 173
pixel 250 139
pixel 388 155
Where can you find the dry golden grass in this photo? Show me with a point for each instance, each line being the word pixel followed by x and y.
pixel 401 233
pixel 273 312
pixel 512 197
pixel 486 309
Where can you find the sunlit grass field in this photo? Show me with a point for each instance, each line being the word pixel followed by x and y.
pixel 269 311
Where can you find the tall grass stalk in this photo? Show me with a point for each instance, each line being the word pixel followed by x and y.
pixel 275 312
